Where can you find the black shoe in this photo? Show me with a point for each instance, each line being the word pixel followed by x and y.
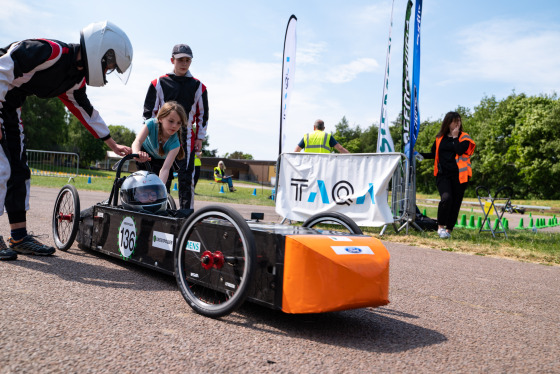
pixel 5 252
pixel 30 245
pixel 232 189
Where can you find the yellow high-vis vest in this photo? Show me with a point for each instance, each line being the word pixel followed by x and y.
pixel 317 142
pixel 218 174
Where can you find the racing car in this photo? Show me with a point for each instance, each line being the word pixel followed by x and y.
pixel 219 259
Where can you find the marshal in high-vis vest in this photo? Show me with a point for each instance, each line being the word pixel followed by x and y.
pixel 452 151
pixel 319 141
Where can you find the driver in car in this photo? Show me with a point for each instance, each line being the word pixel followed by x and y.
pixel 146 195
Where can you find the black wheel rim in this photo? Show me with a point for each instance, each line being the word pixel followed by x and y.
pixel 65 217
pixel 216 289
pixel 333 222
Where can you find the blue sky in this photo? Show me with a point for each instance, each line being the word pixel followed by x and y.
pixel 469 49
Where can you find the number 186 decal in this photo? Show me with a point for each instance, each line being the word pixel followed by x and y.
pixel 127 237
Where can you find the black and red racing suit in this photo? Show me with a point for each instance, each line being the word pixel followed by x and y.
pixel 46 69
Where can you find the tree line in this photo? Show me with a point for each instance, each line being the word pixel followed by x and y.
pixel 517 141
pixel 517 145
pixel 50 127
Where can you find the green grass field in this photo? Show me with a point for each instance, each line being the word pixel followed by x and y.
pixel 207 190
pixel 523 245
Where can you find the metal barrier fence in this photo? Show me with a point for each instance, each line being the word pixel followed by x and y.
pixel 53 164
pixel 403 196
pixel 398 190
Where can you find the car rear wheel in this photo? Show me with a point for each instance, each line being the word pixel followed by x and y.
pixel 66 217
pixel 215 260
pixel 333 221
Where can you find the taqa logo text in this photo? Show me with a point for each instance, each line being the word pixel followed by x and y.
pixel 340 192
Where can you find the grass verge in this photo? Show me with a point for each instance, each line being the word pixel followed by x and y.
pixel 523 245
pixel 206 190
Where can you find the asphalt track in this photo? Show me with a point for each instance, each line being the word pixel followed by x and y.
pixel 82 312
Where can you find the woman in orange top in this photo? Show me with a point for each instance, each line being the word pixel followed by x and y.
pixel 451 150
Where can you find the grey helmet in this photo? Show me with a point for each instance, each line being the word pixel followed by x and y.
pixel 102 43
pixel 143 191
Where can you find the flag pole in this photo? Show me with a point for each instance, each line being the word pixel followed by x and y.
pixel 288 73
pixel 384 140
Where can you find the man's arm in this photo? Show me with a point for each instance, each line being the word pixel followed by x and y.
pixel 300 146
pixel 340 148
pixel 336 145
pixel 150 109
pixel 200 115
pixel 78 103
pixel 121 150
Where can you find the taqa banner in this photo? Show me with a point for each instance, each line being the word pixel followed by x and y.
pixel 352 184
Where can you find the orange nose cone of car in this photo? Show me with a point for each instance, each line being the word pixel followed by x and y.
pixel 330 273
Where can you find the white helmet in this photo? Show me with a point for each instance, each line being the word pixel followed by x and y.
pixel 143 191
pixel 102 43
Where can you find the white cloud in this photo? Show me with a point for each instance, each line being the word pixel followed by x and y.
pixel 518 53
pixel 244 93
pixel 308 54
pixel 241 92
pixel 348 72
pixel 244 101
pixel 375 13
pixel 11 10
pixel 311 53
pixel 23 19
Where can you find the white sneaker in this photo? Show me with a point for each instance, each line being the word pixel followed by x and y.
pixel 443 234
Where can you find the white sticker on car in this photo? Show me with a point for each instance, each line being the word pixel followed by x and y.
pixel 127 237
pixel 340 238
pixel 352 250
pixel 230 285
pixel 163 240
pixel 193 246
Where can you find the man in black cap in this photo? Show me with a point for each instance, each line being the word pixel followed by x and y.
pixel 188 91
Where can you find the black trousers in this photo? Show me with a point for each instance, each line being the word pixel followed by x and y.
pixel 186 181
pixel 451 193
pixel 196 175
pixel 18 187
